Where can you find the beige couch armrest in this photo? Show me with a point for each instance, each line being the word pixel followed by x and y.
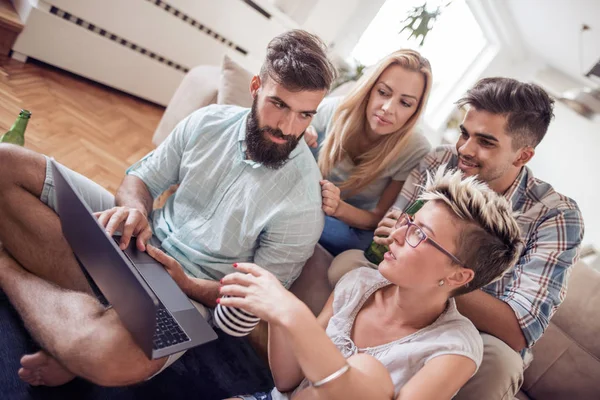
pixel 566 362
pixel 197 89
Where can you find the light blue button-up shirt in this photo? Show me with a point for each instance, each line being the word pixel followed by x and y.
pixel 229 209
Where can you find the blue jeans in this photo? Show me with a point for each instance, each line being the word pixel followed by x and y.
pixel 223 368
pixel 338 237
pixel 256 396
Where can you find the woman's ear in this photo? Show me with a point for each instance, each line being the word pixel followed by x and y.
pixel 460 277
pixel 255 84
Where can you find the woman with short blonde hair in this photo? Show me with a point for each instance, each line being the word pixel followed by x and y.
pixel 392 332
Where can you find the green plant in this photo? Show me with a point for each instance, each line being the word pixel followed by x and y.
pixel 420 21
pixel 348 73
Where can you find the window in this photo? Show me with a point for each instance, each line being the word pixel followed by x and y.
pixel 455 47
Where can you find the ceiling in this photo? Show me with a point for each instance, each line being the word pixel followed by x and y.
pixel 552 30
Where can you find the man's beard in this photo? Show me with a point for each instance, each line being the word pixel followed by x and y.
pixel 262 149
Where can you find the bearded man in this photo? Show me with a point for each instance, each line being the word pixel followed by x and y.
pixel 248 192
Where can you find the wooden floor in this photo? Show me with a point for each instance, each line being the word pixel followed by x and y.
pixel 92 129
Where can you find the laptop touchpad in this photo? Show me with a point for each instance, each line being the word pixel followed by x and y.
pixel 157 278
pixel 164 286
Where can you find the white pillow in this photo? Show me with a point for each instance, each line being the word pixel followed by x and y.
pixel 234 87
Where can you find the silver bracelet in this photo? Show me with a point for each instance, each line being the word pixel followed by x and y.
pixel 333 376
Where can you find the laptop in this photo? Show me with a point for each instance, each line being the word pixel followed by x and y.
pixel 159 316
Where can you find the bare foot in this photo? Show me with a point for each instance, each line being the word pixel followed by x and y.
pixel 41 369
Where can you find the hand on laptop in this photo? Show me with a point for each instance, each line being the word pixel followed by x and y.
pixel 130 222
pixel 172 266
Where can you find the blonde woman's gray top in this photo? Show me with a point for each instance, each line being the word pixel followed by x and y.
pixel 415 149
pixel 451 333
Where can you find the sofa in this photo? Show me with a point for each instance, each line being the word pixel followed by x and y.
pixel 566 359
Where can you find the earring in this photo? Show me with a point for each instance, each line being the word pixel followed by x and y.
pixel 441 283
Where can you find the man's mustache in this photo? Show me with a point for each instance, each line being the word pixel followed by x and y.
pixel 467 158
pixel 278 133
pixel 275 132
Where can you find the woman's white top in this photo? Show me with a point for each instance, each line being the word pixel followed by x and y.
pixel 451 333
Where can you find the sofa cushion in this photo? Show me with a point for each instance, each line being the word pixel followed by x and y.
pixel 197 89
pixel 522 396
pixel 563 369
pixel 578 315
pixel 234 86
pixel 567 358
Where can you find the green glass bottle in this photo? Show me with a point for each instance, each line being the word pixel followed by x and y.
pixel 16 134
pixel 374 253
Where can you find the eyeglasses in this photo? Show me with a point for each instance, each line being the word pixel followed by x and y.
pixel 414 236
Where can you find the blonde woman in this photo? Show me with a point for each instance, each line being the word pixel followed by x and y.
pixel 395 332
pixel 367 144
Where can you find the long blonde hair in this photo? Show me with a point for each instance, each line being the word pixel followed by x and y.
pixel 349 123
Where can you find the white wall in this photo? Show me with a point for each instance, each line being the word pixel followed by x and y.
pixel 351 29
pixel 23 7
pixel 569 156
pixel 327 17
pixel 569 159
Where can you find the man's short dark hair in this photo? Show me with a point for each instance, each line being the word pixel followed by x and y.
pixel 297 60
pixel 527 107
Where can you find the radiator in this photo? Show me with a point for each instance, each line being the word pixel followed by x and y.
pixel 145 47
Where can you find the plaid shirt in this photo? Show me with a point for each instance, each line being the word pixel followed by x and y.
pixel 551 229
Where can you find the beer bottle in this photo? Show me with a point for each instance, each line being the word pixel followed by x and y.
pixel 16 134
pixel 374 253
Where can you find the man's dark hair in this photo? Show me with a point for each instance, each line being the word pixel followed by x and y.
pixel 297 60
pixel 527 107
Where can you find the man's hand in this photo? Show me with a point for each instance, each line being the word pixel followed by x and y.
pixel 172 266
pixel 331 197
pixel 130 221
pixel 311 136
pixel 386 226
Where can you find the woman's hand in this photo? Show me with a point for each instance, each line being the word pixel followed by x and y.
pixel 259 292
pixel 311 136
pixel 386 226
pixel 331 198
pixel 172 266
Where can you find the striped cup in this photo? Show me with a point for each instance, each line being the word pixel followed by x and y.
pixel 234 321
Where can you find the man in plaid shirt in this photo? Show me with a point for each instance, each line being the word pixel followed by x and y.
pixel 505 121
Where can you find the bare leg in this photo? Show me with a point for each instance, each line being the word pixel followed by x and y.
pixel 29 229
pixel 76 331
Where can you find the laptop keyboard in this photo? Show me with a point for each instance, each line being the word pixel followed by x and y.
pixel 168 332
